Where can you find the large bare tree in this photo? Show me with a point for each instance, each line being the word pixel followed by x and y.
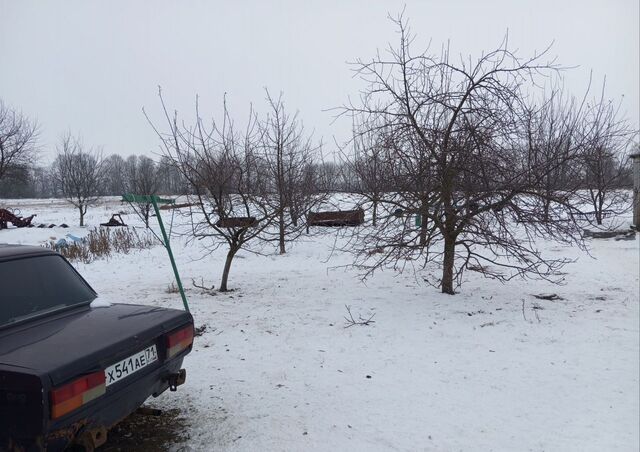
pixel 460 133
pixel 287 155
pixel 78 173
pixel 222 167
pixel 18 136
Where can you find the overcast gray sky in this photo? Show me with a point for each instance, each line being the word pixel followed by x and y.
pixel 90 66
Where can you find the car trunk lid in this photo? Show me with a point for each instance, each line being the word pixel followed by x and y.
pixel 86 339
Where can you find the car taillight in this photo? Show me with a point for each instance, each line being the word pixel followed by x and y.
pixel 75 394
pixel 179 341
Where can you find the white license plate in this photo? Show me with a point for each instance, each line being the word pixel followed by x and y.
pixel 130 365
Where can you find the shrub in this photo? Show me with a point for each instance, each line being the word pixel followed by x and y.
pixel 102 242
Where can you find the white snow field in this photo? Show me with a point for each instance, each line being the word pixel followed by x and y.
pixel 276 369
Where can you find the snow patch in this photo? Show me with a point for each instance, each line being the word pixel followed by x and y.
pixel 100 303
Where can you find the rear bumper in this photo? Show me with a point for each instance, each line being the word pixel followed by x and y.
pixel 100 416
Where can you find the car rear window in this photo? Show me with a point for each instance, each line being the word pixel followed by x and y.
pixel 36 285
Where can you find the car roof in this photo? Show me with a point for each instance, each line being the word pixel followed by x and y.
pixel 8 251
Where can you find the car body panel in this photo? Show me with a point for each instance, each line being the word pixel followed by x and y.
pixel 49 351
pixel 60 344
pixel 9 251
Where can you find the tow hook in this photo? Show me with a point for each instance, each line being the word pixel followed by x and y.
pixel 177 379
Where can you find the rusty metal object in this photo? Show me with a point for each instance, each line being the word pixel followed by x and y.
pixel 237 222
pixel 68 432
pixel 336 218
pixel 178 206
pixel 624 234
pixel 6 217
pixel 78 434
pixel 115 220
pixel 66 435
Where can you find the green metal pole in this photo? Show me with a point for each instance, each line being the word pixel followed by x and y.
pixel 167 245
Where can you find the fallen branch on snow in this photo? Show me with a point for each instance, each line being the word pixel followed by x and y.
pixel 548 296
pixel 361 321
pixel 208 290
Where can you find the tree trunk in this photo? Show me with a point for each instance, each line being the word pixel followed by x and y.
pixel 447 264
pixel 227 266
pixel 423 222
pixel 147 208
pixel 281 235
pixel 294 216
pixel 600 209
pixel 545 210
pixel 375 212
pixel 81 215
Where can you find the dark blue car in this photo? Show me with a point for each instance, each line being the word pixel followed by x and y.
pixel 69 372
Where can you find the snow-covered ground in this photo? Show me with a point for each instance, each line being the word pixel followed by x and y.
pixel 491 368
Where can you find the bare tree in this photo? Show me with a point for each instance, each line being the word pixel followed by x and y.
pixel 222 168
pixel 17 182
pixel 330 177
pixel 458 134
pixel 605 160
pixel 141 178
pixel 288 161
pixel 171 180
pixel 78 174
pixel 18 136
pixel 115 170
pixel 369 167
pixel 554 137
pixel 42 181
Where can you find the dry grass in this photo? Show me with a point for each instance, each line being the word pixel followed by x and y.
pixel 103 242
pixel 172 288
